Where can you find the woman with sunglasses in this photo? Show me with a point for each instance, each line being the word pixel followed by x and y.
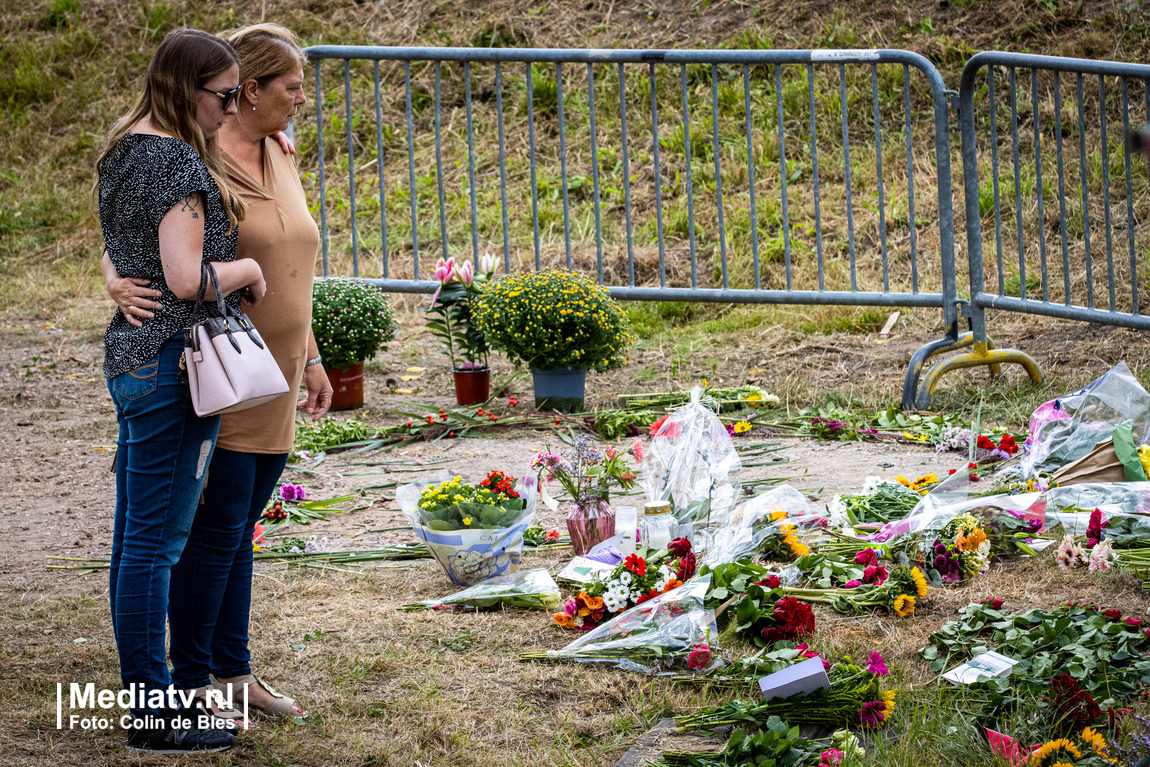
pixel 166 206
pixel 210 637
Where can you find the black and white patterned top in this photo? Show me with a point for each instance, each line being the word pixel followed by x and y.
pixel 139 183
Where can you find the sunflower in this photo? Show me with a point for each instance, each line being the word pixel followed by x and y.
pixel 919 581
pixel 1056 747
pixel 777 514
pixel 798 548
pixel 903 605
pixel 1097 744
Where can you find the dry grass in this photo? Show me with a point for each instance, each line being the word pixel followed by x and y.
pixel 383 689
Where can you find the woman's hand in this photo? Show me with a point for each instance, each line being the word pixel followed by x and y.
pixel 255 290
pixel 131 294
pixel 285 143
pixel 319 392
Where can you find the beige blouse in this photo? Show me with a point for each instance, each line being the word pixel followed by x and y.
pixel 279 233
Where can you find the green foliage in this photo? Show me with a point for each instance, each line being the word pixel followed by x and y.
pixel 1106 655
pixel 555 320
pixel 351 321
pixel 59 15
pixel 327 433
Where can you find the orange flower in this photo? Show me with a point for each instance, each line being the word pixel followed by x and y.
pixel 563 620
pixel 594 603
pixel 674 583
pixel 965 542
pixel 584 612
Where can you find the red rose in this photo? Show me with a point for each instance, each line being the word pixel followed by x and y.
pixel 994 603
pixel 771 582
pixel 1113 614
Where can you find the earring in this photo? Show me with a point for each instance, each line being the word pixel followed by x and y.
pixel 253 107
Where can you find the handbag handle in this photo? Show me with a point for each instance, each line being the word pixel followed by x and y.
pixel 225 311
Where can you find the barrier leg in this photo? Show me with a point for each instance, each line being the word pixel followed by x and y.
pixel 982 354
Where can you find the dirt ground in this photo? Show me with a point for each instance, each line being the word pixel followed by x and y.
pixel 389 687
pixel 60 423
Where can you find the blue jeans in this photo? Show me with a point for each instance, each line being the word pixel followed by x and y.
pixel 213 579
pixel 162 454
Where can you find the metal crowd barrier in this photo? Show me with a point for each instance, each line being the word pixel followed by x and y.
pixel 1023 275
pixel 694 176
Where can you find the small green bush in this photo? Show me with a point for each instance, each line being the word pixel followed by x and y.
pixel 555 320
pixel 351 321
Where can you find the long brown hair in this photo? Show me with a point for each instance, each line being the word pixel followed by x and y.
pixel 266 51
pixel 185 59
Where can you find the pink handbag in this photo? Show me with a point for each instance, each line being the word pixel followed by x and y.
pixel 229 365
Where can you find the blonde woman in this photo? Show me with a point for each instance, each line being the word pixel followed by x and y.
pixel 279 234
pixel 166 206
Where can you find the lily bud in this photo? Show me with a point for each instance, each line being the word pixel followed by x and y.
pixel 444 270
pixel 488 264
pixel 465 274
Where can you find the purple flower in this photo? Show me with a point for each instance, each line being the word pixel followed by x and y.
pixel 872 714
pixel 877 665
pixel 290 492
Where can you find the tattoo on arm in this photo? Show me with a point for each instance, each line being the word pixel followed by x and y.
pixel 190 203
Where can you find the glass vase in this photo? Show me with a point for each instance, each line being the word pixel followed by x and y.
pixel 590 522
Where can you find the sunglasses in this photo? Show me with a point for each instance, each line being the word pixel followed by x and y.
pixel 227 96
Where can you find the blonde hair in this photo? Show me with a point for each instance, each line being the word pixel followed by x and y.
pixel 184 60
pixel 266 52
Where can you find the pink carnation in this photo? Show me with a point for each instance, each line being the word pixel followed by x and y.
pixel 637 450
pixel 700 657
pixel 832 757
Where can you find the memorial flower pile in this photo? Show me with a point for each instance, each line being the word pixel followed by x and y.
pixel 634 581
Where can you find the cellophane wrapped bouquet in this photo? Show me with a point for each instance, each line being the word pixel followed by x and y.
pixel 473 531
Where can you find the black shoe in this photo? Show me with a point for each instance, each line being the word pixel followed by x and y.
pixel 171 736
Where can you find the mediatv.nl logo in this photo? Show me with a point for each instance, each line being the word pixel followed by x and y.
pixel 95 702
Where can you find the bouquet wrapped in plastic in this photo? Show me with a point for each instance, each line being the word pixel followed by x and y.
pixel 667 634
pixel 691 462
pixel 774 517
pixel 473 531
pixel 526 590
pixel 1068 428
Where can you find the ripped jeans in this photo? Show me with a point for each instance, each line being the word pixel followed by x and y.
pixel 162 455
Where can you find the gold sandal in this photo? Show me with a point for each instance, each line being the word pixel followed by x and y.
pixel 219 707
pixel 281 705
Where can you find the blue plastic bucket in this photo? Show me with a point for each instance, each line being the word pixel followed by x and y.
pixel 560 389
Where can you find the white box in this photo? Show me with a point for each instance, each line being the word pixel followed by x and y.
pixel 802 678
pixel 986 666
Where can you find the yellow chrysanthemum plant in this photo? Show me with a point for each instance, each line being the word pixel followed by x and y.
pixel 555 321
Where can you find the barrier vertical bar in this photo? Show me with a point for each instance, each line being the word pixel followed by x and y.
pixel 502 168
pixel 412 186
pixel 1106 190
pixel 658 174
pixel 688 157
pixel 910 180
pixel 563 163
pixel 379 167
pixel 351 167
pixel 439 164
pixel 626 176
pixel 1017 182
pixel 878 173
pixel 994 165
pixel 1061 187
pixel 322 180
pixel 471 164
pixel 751 173
pixel 1041 190
pixel 783 172
pixel 847 174
pixel 718 169
pixel 531 152
pixel 815 172
pixel 1129 192
pixel 595 171
pixel 1085 192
